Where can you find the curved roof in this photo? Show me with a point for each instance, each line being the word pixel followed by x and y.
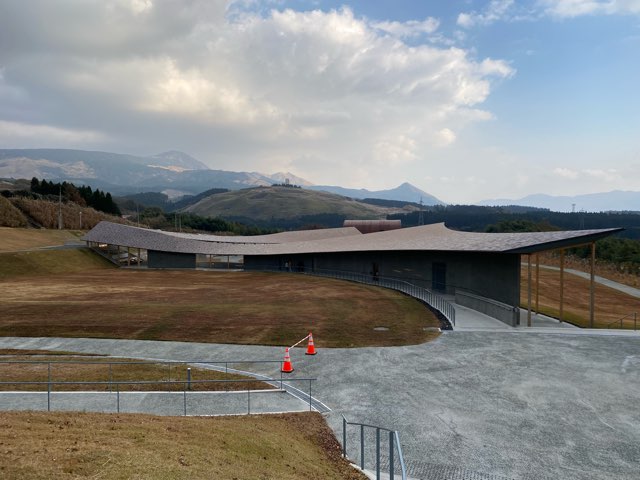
pixel 435 237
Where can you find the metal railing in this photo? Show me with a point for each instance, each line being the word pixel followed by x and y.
pixel 433 300
pixel 187 386
pixel 393 444
pixel 621 321
pixel 281 383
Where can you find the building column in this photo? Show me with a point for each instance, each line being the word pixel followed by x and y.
pixel 529 290
pixel 561 284
pixel 537 283
pixel 592 285
pixel 139 256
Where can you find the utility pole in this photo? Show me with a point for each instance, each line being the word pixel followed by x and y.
pixel 80 219
pixel 60 209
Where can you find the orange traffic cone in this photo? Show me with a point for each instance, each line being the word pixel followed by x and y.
pixel 311 349
pixel 286 365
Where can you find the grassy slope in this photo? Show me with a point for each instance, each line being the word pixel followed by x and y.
pixel 81 445
pixel 10 216
pixel 49 262
pixel 16 239
pixel 282 202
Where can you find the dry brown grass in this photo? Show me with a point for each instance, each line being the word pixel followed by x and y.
pixel 10 216
pixel 602 269
pixel 18 239
pixel 236 307
pixel 37 446
pixel 610 304
pixel 45 213
pixel 77 368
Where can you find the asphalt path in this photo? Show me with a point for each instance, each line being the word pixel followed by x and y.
pixel 469 405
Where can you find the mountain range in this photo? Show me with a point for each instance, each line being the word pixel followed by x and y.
pixel 594 202
pixel 173 173
pixel 178 174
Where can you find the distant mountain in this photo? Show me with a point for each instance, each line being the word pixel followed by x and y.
pixel 271 203
pixel 177 161
pixel 124 174
pixel 173 173
pixel 282 177
pixel 405 192
pixel 593 202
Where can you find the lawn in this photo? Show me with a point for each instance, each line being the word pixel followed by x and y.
pixel 15 239
pixel 204 306
pixel 116 446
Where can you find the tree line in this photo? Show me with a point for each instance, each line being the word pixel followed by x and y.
pixel 84 196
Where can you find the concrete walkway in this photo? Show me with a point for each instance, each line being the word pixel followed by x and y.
pixel 469 405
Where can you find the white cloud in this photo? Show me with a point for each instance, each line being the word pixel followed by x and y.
pixel 496 10
pixel 44 135
pixel 325 91
pixel 566 173
pixel 608 175
pixel 411 28
pixel 576 8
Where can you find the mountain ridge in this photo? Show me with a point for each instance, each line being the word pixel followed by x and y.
pixel 615 200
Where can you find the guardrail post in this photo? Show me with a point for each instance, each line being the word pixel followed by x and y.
pixel 110 377
pixel 344 437
pixel 189 378
pixel 248 401
pixel 378 453
pixel 391 456
pixel 49 387
pixel 362 447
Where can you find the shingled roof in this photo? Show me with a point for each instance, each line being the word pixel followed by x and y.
pixel 435 237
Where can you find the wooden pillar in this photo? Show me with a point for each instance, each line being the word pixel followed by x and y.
pixel 529 290
pixel 228 262
pixel 537 283
pixel 561 284
pixel 128 257
pixel 210 258
pixel 592 285
pixel 139 256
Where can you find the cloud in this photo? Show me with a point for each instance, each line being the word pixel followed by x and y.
pixel 566 173
pixel 576 8
pixel 496 10
pixel 44 135
pixel 326 92
pixel 411 28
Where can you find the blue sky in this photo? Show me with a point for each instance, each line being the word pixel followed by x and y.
pixel 467 100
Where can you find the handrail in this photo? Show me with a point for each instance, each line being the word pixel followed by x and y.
pixel 620 320
pixel 394 439
pixel 433 300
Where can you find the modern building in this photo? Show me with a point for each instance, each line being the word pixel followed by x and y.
pixel 479 270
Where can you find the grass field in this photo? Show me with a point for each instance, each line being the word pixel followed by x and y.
pixel 610 304
pixel 16 239
pixel 228 307
pixel 37 446
pixel 50 262
pixel 81 368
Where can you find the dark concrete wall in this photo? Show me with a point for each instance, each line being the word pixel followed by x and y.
pixel 157 259
pixel 492 275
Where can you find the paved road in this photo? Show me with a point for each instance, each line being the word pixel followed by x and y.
pixel 634 292
pixel 470 405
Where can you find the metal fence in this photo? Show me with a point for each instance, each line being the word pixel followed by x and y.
pixel 393 445
pixel 630 319
pixel 435 301
pixel 113 389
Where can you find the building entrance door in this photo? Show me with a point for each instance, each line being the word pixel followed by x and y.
pixel 439 277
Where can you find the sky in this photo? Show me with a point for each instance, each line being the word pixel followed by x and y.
pixel 467 100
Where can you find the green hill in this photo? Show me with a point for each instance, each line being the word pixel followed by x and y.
pixel 278 202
